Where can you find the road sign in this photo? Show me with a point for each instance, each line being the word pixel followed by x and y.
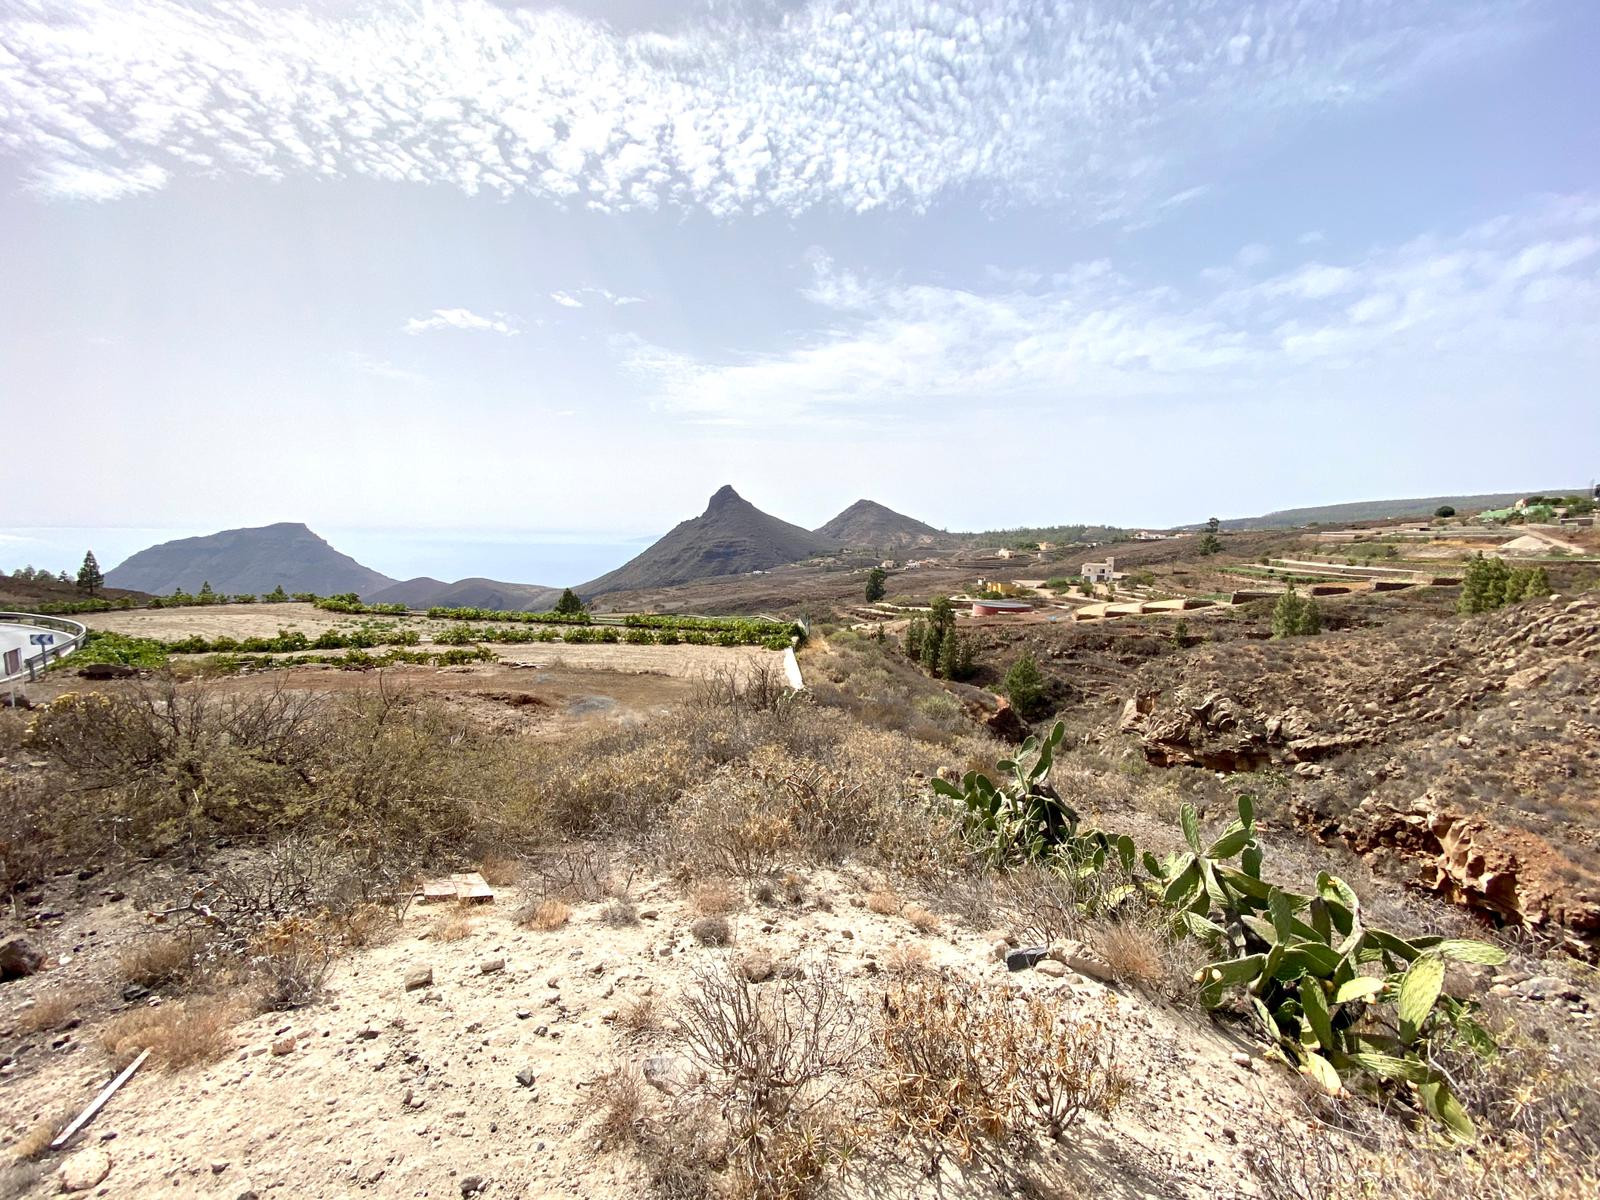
pixel 42 639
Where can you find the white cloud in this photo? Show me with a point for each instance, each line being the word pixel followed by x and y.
pixel 462 318
pixel 573 299
pixel 1482 303
pixel 744 109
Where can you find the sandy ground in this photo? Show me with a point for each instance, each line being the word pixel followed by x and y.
pixel 386 1092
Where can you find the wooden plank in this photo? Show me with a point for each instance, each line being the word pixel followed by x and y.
pixel 99 1102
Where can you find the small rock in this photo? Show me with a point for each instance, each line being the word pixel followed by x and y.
pixel 85 1169
pixel 671 1073
pixel 1027 956
pixel 1241 1059
pixel 757 967
pixel 490 966
pixel 419 977
pixel 1049 966
pixel 471 1185
pixel 217 1168
pixel 526 1076
pixel 18 960
pixel 284 1045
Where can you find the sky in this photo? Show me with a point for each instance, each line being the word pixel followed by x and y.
pixel 507 289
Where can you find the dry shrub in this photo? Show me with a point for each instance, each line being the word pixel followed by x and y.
pixel 620 913
pixel 178 1034
pixel 290 963
pixel 905 959
pixel 886 902
pixel 51 1010
pixel 157 960
pixel 714 898
pixel 616 1101
pixel 776 1058
pixel 640 1015
pixel 453 924
pixel 923 921
pixel 500 870
pixel 577 874
pixel 712 931
pixel 544 914
pixel 366 925
pixel 971 1069
pixel 1136 954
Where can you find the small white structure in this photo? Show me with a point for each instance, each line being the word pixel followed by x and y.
pixel 1101 572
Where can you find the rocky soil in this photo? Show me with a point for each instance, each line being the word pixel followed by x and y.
pixel 1469 746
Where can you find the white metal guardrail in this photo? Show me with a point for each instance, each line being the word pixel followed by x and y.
pixel 56 637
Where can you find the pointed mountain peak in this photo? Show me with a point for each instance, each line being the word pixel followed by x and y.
pixel 723 497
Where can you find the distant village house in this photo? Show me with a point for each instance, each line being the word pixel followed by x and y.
pixel 1101 572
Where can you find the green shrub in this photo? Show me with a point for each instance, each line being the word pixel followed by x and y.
pixel 1024 687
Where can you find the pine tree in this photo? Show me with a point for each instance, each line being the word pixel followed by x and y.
pixel 277 596
pixel 1024 687
pixel 1486 586
pixel 90 579
pixel 916 631
pixel 875 588
pixel 932 640
pixel 570 605
pixel 964 656
pixel 1213 525
pixel 1295 615
pixel 949 655
pixel 205 595
pixel 1211 544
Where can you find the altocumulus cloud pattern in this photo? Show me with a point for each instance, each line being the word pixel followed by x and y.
pixel 849 106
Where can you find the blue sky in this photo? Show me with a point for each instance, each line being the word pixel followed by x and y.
pixel 466 285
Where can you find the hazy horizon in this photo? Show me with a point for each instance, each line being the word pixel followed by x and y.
pixel 537 277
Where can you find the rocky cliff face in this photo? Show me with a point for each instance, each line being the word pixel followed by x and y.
pixel 1469 747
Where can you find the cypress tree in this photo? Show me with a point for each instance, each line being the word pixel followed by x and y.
pixel 89 577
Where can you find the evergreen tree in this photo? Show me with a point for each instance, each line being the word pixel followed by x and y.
pixel 1295 615
pixel 1485 585
pixel 277 596
pixel 949 655
pixel 63 577
pixel 1211 543
pixel 916 631
pixel 875 589
pixel 964 656
pixel 205 595
pixel 1213 525
pixel 89 577
pixel 570 605
pixel 932 641
pixel 1024 687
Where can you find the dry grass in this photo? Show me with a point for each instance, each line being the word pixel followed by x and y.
pixel 640 1015
pixel 453 924
pixel 1135 953
pixel 886 902
pixel 619 913
pixel 499 870
pixel 52 1010
pixel 545 914
pixel 40 1134
pixel 179 1034
pixel 714 898
pixel 616 1101
pixel 157 960
pixel 905 959
pixel 923 921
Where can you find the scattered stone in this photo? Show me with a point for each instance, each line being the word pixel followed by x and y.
pixel 526 1076
pixel 18 960
pixel 85 1169
pixel 1050 967
pixel 419 977
pixel 1027 956
pixel 490 966
pixel 471 1185
pixel 757 967
pixel 524 1013
pixel 217 1168
pixel 1241 1059
pixel 671 1073
pixel 284 1045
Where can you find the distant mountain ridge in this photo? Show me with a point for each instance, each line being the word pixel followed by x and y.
pixel 732 537
pixel 866 524
pixel 1383 510
pixel 474 592
pixel 247 561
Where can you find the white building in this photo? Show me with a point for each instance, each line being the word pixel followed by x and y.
pixel 1101 572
